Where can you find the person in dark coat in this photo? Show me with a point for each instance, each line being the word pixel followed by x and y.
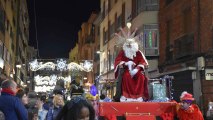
pixel 11 106
pixel 58 103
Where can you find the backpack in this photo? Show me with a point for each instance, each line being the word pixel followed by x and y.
pixel 2 117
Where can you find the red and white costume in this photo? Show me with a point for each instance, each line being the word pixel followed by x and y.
pixel 192 112
pixel 133 86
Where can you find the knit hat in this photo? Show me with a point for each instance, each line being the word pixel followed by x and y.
pixel 186 96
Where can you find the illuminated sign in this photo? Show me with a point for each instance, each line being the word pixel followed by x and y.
pixel 209 74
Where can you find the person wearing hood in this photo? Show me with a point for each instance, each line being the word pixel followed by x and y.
pixel 186 110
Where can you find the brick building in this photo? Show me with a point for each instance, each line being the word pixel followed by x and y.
pixel 186 44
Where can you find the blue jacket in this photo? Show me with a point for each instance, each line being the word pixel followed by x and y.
pixel 12 107
pixel 53 112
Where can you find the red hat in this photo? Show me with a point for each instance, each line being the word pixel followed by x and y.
pixel 186 96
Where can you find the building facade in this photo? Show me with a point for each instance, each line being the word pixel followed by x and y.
pixel 22 39
pixel 86 46
pixel 8 36
pixel 96 50
pixel 186 47
pixel 14 37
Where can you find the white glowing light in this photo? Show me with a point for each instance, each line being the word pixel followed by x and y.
pixel 50 80
pixel 87 65
pixel 129 25
pixel 35 65
pixel 61 65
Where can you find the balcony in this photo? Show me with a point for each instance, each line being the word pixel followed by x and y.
pixel 90 39
pixel 184 46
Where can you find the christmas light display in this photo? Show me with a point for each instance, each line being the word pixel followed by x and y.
pixel 61 65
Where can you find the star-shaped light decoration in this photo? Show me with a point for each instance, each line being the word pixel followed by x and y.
pixel 87 65
pixel 34 65
pixel 61 65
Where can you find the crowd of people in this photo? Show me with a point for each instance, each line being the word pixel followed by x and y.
pixel 17 104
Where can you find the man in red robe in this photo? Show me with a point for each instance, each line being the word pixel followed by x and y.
pixel 186 110
pixel 134 84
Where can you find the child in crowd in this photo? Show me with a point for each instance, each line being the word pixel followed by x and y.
pixel 186 110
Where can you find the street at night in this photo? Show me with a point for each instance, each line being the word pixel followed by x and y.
pixel 106 60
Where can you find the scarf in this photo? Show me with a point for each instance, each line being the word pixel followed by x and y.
pixel 8 91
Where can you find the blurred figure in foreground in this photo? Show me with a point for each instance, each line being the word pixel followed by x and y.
pixel 10 105
pixel 77 109
pixel 186 110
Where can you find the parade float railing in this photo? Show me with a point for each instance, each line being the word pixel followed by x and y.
pixel 159 107
pixel 130 110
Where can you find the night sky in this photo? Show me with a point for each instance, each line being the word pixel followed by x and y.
pixel 58 23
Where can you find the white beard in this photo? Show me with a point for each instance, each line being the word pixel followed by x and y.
pixel 130 52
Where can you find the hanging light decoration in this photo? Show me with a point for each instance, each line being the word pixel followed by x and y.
pixel 61 65
pixel 35 65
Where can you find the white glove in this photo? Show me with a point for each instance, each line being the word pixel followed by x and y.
pixel 129 64
pixel 133 72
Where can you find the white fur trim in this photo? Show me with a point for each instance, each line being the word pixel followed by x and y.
pixel 116 68
pixel 124 99
pixel 183 94
pixel 140 65
pixel 144 57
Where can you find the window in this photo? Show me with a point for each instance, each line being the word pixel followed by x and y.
pixel 2 19
pixel 105 65
pixel 115 22
pixel 187 23
pixel 98 30
pixel 133 8
pixel 168 31
pixel 169 1
pixel 112 30
pixel 119 22
pixel 112 61
pixel 1 49
pixel 146 5
pixel 123 15
pixel 109 61
pixel 103 11
pixel 184 46
pixel 110 4
pixel 169 46
pixel 105 36
pixel 150 41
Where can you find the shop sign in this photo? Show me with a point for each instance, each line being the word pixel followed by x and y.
pixel 209 74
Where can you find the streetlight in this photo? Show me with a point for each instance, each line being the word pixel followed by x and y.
pixel 129 24
pixel 99 52
pixel 18 66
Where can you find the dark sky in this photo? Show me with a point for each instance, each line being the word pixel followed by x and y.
pixel 58 23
